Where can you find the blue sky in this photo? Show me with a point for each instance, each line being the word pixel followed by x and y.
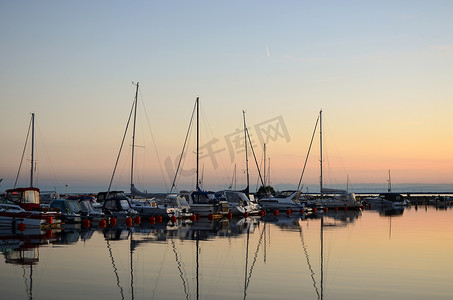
pixel 381 72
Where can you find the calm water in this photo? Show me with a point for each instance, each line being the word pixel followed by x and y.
pixel 343 255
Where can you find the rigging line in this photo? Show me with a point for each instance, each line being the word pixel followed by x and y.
pixel 121 147
pixel 23 153
pixel 183 149
pixel 180 268
pixel 246 263
pixel 254 156
pixel 312 273
pixel 308 153
pixel 159 272
pixel 47 153
pixel 255 257
pixel 115 270
pixel 155 145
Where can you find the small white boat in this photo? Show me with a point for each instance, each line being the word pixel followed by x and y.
pixel 284 200
pixel 205 203
pixel 12 215
pixel 377 202
pixel 238 202
pixel 116 203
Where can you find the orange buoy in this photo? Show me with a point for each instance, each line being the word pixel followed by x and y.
pixel 152 220
pixel 336 208
pixel 262 213
pixel 49 220
pixel 129 222
pixel 276 212
pixel 211 217
pixel 326 209
pixel 21 226
pixel 113 222
pixel 315 209
pixel 193 218
pixel 230 216
pixel 49 233
pixel 246 214
pixel 86 223
pixel 197 216
pixel 159 219
pixel 289 211
pixel 102 223
pixel 137 220
pixel 173 219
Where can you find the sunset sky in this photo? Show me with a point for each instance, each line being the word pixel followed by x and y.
pixel 381 72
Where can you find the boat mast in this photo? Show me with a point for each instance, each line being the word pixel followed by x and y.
pixel 198 133
pixel 32 147
pixel 320 145
pixel 389 187
pixel 246 155
pixel 133 134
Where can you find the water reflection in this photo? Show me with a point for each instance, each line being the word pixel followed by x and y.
pixel 328 255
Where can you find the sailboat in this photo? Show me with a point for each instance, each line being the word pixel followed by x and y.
pixel 240 202
pixel 396 198
pixel 333 198
pixel 22 204
pixel 204 203
pixel 116 202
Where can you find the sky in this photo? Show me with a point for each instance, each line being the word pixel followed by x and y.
pixel 381 72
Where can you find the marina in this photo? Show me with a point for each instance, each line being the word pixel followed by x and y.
pixel 226 150
pixel 334 255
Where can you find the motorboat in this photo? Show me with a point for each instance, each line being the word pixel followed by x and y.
pixel 377 202
pixel 238 202
pixel 205 203
pixel 21 205
pixel 395 198
pixel 116 204
pixel 70 210
pixel 288 199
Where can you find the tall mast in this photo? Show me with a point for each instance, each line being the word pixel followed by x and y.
pixel 320 143
pixel 198 138
pixel 246 156
pixel 32 147
pixel 133 134
pixel 389 187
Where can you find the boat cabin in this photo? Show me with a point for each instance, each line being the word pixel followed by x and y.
pixel 27 198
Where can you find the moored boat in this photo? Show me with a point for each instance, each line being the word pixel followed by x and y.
pixel 284 200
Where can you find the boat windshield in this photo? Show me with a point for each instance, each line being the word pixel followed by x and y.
pixel 182 201
pixel 236 197
pixel 201 198
pixel 284 194
pixel 86 206
pixel 124 204
pixel 73 206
